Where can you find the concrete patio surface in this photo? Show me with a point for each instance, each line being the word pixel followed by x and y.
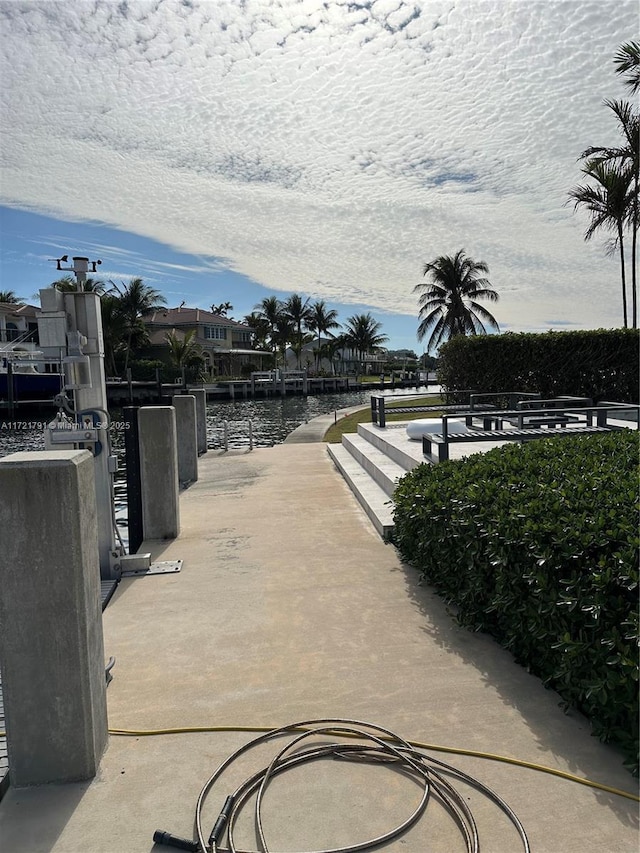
pixel 290 607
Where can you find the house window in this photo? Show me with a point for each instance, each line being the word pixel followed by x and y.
pixel 215 333
pixel 12 332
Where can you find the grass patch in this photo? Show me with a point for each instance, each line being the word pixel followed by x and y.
pixel 349 423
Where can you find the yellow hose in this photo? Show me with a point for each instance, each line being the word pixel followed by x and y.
pixel 518 762
pixel 417 744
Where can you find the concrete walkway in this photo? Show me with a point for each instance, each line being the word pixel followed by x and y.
pixel 290 607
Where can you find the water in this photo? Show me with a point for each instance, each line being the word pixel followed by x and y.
pixel 272 421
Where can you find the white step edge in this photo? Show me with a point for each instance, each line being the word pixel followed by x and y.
pixel 370 495
pixel 384 470
pixel 383 440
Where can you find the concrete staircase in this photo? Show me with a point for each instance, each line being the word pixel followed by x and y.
pixel 372 461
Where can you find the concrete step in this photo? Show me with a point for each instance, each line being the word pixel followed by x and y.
pixel 384 470
pixel 393 442
pixel 374 500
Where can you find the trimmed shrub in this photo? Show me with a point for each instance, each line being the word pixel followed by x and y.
pixel 538 545
pixel 601 364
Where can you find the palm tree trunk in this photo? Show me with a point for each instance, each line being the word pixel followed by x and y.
pixel 634 245
pixel 622 273
pixel 634 290
pixel 126 357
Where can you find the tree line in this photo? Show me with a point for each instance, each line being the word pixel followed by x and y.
pixel 278 325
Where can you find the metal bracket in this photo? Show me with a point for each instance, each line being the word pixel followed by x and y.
pixel 162 567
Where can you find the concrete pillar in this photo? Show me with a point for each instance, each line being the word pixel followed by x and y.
pixel 52 652
pixel 159 472
pixel 187 437
pixel 201 417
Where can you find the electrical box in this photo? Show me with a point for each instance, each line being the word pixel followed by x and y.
pixel 52 331
pixel 77 372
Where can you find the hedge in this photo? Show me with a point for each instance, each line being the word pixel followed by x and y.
pixel 538 545
pixel 601 364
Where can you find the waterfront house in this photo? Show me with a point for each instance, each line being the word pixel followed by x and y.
pixel 19 324
pixel 226 345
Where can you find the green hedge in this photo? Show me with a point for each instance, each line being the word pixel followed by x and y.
pixel 601 364
pixel 538 545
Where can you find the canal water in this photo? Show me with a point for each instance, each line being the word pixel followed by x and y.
pixel 271 422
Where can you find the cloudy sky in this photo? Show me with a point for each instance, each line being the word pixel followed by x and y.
pixel 234 150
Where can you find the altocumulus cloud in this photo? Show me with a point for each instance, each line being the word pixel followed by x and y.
pixel 329 148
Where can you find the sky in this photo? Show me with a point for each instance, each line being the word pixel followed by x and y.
pixel 229 151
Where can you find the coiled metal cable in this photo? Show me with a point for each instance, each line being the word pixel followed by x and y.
pixel 375 744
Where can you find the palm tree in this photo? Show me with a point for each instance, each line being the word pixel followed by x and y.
pixel 270 312
pixel 608 204
pixel 68 284
pixel 322 320
pixel 9 296
pixel 299 314
pixel 448 305
pixel 184 351
pixel 282 335
pixel 627 61
pixel 221 309
pixel 113 331
pixel 136 300
pixel 362 333
pixel 331 350
pixel 260 330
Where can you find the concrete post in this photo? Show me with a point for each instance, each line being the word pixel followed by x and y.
pixel 201 417
pixel 187 436
pixel 52 652
pixel 159 472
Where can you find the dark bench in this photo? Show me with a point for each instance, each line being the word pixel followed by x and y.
pixel 554 412
pixel 595 422
pixel 379 410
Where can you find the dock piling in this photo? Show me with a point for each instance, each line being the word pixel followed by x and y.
pixel 52 650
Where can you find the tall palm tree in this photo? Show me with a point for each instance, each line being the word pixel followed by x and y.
pixel 608 205
pixel 627 62
pixel 283 335
pixel 299 314
pixel 363 334
pixel 322 320
pixel 448 304
pixel 260 330
pixel 9 296
pixel 136 300
pixel 270 311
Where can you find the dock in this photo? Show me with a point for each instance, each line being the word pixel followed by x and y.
pixel 291 607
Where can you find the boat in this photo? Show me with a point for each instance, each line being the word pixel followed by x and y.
pixel 26 375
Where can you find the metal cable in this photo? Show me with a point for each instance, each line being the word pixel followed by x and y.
pixel 377 745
